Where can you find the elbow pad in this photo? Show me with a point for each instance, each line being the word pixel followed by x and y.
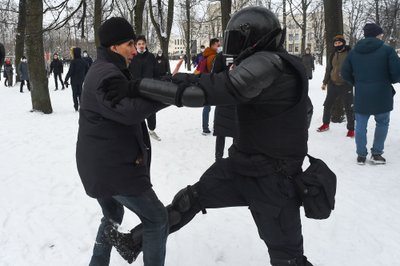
pixel 171 93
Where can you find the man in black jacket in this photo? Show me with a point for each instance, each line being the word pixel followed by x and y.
pixel 162 65
pixel 113 148
pixel 144 66
pixel 77 72
pixel 57 68
pixel 270 89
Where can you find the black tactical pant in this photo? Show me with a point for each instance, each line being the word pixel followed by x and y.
pixel 151 122
pixel 257 182
pixel 342 93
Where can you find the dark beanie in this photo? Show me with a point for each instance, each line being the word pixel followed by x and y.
pixel 339 38
pixel 372 30
pixel 115 31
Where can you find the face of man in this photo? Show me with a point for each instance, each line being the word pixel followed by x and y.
pixel 337 43
pixel 126 49
pixel 215 46
pixel 141 46
pixel 55 57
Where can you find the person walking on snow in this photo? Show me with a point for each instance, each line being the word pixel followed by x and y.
pixel 77 72
pixel 338 89
pixel 8 73
pixel 372 67
pixel 308 62
pixel 24 74
pixel 57 68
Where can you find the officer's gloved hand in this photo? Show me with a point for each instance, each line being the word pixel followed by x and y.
pixel 183 80
pixel 179 78
pixel 117 88
pixel 66 83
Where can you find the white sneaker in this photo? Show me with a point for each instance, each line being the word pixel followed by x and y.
pixel 154 135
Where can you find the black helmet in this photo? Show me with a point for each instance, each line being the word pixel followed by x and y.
pixel 250 27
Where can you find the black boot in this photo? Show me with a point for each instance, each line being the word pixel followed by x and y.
pixel 123 242
pixel 302 261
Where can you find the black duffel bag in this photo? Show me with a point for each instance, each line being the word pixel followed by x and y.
pixel 317 188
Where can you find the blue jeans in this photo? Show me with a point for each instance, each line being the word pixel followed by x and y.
pixel 206 115
pixel 381 130
pixel 154 218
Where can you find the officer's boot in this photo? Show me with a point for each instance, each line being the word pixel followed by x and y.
pixel 302 261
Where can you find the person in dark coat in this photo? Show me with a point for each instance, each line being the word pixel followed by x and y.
pixel 372 67
pixel 338 89
pixel 270 89
pixel 144 66
pixel 113 150
pixel 77 72
pixel 308 62
pixel 225 120
pixel 8 73
pixel 87 58
pixel 162 65
pixel 23 74
pixel 57 68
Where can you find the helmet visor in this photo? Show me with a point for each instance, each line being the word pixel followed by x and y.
pixel 234 42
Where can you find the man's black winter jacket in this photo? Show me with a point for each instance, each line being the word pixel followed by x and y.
pixel 113 148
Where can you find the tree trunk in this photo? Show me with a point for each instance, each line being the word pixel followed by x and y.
pixel 97 21
pixel 35 53
pixel 304 27
pixel 20 36
pixel 377 19
pixel 139 16
pixel 187 35
pixel 163 34
pixel 226 7
pixel 333 27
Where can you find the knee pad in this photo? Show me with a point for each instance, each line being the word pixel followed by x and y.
pixel 183 208
pixel 185 199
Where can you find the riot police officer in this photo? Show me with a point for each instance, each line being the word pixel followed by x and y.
pixel 270 89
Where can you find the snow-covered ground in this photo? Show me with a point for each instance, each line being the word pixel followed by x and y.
pixel 47 219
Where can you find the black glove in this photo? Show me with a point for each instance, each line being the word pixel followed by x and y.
pixel 117 88
pixel 179 78
pixel 66 83
pixel 183 80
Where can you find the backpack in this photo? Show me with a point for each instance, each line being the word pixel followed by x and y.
pixel 202 66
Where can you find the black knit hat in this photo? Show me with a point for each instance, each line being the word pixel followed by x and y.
pixel 339 38
pixel 372 30
pixel 115 31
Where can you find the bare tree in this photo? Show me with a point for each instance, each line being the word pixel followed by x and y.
pixel 97 20
pixel 317 24
pixel 226 8
pixel 34 43
pixel 300 8
pixel 20 36
pixel 355 17
pixel 333 22
pixel 162 23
